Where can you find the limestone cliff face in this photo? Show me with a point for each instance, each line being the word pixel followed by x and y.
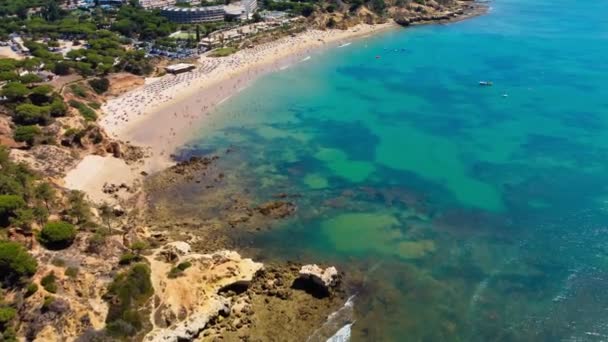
pixel 187 302
pixel 403 12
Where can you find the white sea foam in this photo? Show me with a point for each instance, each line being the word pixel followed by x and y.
pixel 350 303
pixel 340 320
pixel 342 335
pixel 566 289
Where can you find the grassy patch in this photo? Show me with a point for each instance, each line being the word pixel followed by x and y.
pixel 94 105
pixel 71 272
pixel 223 52
pixel 49 283
pixel 84 110
pixel 31 289
pixel 78 90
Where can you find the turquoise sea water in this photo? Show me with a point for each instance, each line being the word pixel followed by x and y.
pixel 466 213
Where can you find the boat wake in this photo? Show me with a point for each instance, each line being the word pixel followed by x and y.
pixel 224 100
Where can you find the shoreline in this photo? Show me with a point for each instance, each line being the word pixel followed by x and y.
pixel 167 117
pixel 168 121
pixel 162 114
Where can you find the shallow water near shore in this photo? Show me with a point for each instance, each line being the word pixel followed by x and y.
pixel 465 213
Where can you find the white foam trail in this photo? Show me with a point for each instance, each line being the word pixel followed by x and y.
pixel 340 319
pixel 223 100
pixel 342 335
pixel 565 291
pixel 350 303
pixel 345 44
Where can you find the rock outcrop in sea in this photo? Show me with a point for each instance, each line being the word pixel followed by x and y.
pixel 324 278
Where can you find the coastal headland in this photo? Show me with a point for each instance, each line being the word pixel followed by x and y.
pixel 161 115
pixel 118 251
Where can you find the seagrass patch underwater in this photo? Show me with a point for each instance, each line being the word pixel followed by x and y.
pixel 469 213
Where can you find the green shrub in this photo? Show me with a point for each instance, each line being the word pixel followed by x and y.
pixel 15 262
pixel 58 107
pixel 6 315
pixel 49 283
pixel 128 258
pixel 14 91
pixel 42 90
pixel 58 262
pixel 61 69
pixel 127 294
pixel 78 90
pixel 48 300
pixel 174 273
pixel 9 204
pixel 139 246
pixel 27 134
pixel 71 272
pixel 30 78
pixel 94 105
pixel 31 289
pixel 57 235
pixel 96 242
pixel 179 269
pixel 100 85
pixel 8 76
pixel 24 217
pixel 31 114
pixel 184 265
pixel 84 110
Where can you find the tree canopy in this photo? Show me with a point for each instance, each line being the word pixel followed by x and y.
pixel 15 262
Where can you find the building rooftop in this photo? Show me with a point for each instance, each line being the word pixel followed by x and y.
pixel 192 9
pixel 179 67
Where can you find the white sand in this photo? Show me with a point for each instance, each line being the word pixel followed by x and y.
pixel 94 171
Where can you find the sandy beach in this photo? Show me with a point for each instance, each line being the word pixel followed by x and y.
pixel 162 114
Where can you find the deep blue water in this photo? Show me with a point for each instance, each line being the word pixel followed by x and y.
pixel 463 213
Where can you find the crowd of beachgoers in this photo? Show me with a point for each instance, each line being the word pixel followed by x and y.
pixel 212 71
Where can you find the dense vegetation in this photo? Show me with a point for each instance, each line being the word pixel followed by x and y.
pixel 127 295
pixel 30 105
pixel 105 32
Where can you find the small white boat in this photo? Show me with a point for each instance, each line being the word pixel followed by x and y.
pixel 485 83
